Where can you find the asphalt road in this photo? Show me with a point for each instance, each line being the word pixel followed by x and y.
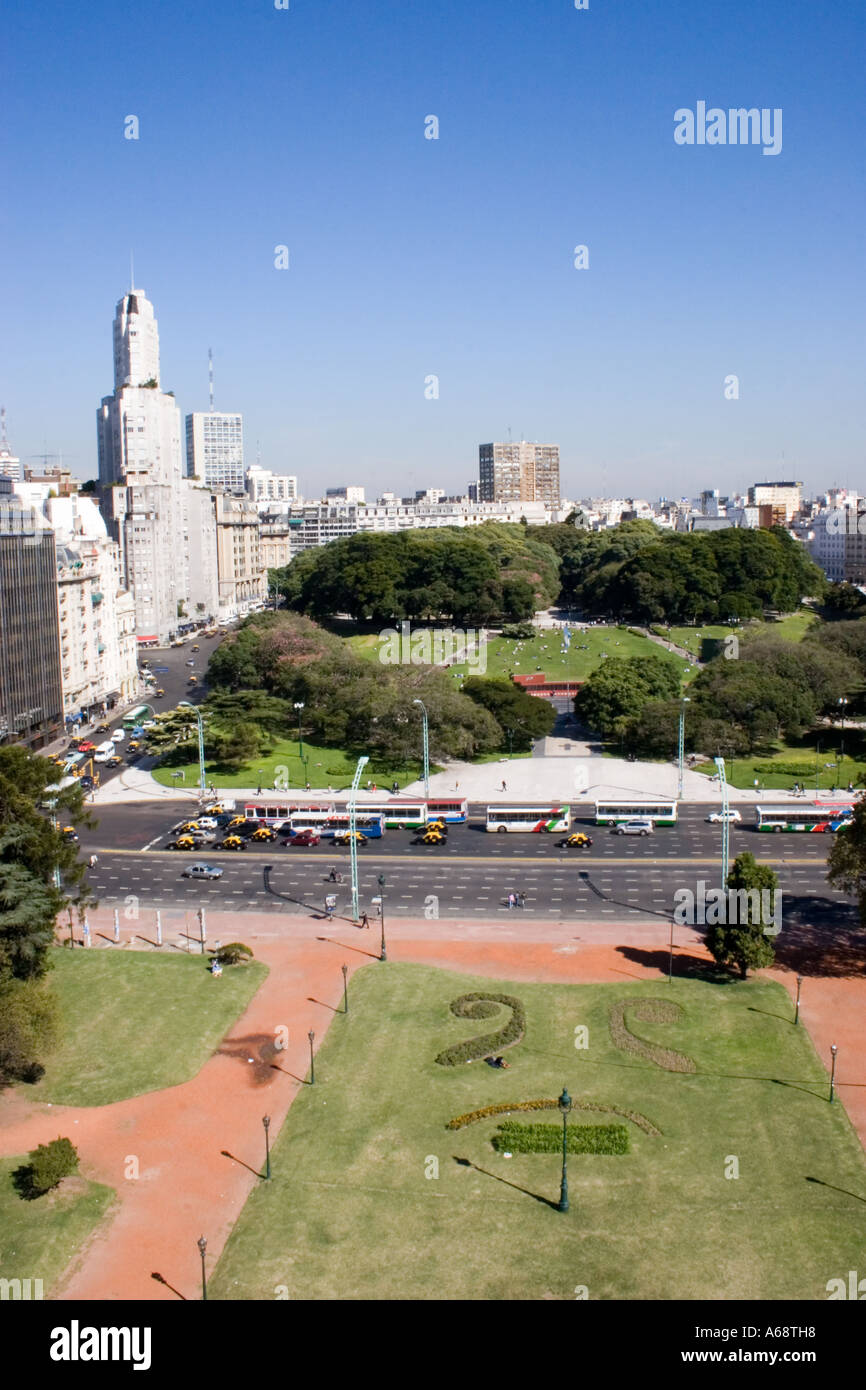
pixel 617 880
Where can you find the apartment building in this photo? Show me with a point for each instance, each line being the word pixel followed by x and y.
pixel 31 692
pixel 524 472
pixel 241 576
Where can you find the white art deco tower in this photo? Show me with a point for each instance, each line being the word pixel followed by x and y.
pixel 141 473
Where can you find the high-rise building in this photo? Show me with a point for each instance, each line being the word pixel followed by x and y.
pixel 524 472
pixel 10 464
pixel 783 500
pixel 242 577
pixel 31 694
pixel 141 473
pixel 265 486
pixel 215 449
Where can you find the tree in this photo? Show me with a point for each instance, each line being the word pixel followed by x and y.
pixel 233 953
pixel 50 1164
pixel 527 716
pixel 846 863
pixel 620 688
pixel 746 945
pixel 29 1023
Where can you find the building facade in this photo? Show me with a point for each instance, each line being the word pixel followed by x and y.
pixel 241 573
pixel 783 499
pixel 31 694
pixel 524 472
pixel 215 449
pixel 265 486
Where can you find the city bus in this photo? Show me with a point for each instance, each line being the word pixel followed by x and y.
pixel 816 816
pixel 136 717
pixel 614 812
pixel 397 815
pixel 454 810
pixel 371 827
pixel 273 811
pixel 539 819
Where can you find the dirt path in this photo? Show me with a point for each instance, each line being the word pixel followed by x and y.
pixel 199 1146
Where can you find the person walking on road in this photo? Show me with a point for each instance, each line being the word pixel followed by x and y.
pixel 93 861
pixel 365 921
pixel 503 788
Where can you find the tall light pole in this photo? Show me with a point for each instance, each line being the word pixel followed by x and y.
pixel 299 706
pixel 817 763
pixel 681 743
pixel 382 955
pixel 426 749
pixel 202 1247
pixel 266 1121
pixel 726 824
pixel 311 1035
pixel 565 1104
pixel 797 1006
pixel 353 843
pixel 345 970
pixel 833 1049
pixel 202 783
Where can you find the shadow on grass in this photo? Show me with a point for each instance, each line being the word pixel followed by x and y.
pixel 22 1181
pixel 160 1280
pixel 536 1196
pixel 832 1188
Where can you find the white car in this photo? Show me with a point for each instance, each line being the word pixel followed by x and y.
pixel 208 822
pixel 102 757
pixel 118 736
pixel 717 817
pixel 202 871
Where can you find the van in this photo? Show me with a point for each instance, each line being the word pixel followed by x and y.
pixel 107 747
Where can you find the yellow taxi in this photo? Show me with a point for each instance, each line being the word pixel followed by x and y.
pixel 264 832
pixel 431 837
pixel 236 821
pixel 345 836
pixel 231 842
pixel 183 842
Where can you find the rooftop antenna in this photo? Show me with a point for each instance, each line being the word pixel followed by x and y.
pixel 131 271
pixel 210 374
pixel 258 453
pixel 4 442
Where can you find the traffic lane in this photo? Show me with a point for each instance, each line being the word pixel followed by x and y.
pixel 474 887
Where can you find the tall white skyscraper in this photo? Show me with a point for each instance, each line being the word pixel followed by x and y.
pixel 141 473
pixel 215 449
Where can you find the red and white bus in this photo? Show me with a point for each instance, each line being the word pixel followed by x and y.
pixel 451 809
pixel 271 811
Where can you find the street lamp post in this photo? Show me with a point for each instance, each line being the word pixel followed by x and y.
pixel 426 751
pixel 345 970
pixel 817 765
pixel 681 743
pixel 311 1035
pixel 202 1247
pixel 202 781
pixel 299 705
pixel 797 1006
pixel 510 743
pixel 266 1121
pixel 382 955
pixel 833 1049
pixel 565 1104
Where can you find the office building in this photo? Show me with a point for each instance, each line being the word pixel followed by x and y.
pixel 265 486
pixel 31 693
pixel 781 500
pixel 524 472
pixel 215 450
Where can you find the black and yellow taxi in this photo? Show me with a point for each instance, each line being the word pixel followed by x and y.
pixel 158 694
pixel 237 821
pixel 232 842
pixel 345 837
pixel 576 841
pixel 69 833
pixel 437 825
pixel 183 842
pixel 264 832
pixel 432 835
pixel 188 826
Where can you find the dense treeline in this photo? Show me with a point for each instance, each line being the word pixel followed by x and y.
pixel 641 574
pixel 31 850
pixel 462 576
pixel 276 660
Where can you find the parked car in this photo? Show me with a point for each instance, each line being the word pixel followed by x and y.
pixel 208 822
pixel 201 871
pixel 184 842
pixel 304 838
pixel 576 841
pixel 717 817
pixel 232 842
pixel 633 827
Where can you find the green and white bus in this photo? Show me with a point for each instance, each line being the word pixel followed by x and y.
pixel 136 717
pixel 614 812
pixel 537 819
pixel 815 817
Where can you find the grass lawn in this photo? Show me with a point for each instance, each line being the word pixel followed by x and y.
pixel 134 1022
pixel 324 767
pixel 544 653
pixel 41 1237
pixel 842 759
pixel 793 628
pixel 372 1197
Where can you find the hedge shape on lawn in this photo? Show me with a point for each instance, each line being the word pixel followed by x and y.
pixel 515 1106
pixel 484 1005
pixel 547 1139
pixel 648 1011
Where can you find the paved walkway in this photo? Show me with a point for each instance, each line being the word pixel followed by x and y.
pixel 200 1145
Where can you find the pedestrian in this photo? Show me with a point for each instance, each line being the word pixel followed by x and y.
pixel 93 861
pixel 521 900
pixel 365 921
pixel 503 788
pixel 512 901
pixel 308 786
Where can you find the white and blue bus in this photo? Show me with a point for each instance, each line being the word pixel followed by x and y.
pixel 615 812
pixel 535 819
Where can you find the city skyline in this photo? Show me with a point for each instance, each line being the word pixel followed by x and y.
pixel 452 257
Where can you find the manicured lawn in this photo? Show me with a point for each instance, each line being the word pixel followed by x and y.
pixel 136 1021
pixel 544 653
pixel 793 628
pixel 372 1197
pixel 39 1238
pixel 324 767
pixel 798 762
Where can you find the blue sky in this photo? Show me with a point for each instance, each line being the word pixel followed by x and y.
pixel 453 257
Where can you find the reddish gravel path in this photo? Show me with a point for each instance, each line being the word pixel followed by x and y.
pixel 187 1185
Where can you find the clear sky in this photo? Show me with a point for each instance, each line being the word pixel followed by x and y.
pixel 453 257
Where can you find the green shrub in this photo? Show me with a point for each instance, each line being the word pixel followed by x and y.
pixel 50 1163
pixel 547 1139
pixel 233 954
pixel 649 1011
pixel 486 1044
